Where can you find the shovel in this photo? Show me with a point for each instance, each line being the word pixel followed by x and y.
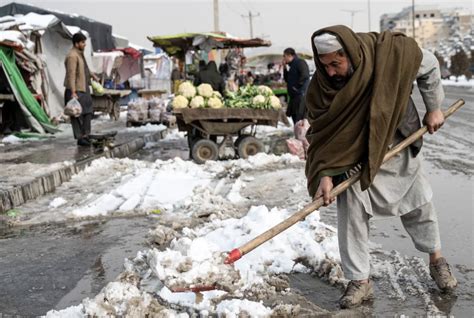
pixel 237 253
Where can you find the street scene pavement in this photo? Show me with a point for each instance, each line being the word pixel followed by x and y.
pixel 199 145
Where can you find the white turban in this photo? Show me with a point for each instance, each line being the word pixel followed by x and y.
pixel 326 43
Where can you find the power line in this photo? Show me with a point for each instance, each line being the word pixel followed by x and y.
pixel 232 9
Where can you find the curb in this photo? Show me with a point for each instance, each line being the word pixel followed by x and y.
pixel 17 195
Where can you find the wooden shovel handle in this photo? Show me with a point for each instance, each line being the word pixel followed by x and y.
pixel 237 253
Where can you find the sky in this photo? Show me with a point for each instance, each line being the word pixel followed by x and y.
pixel 284 23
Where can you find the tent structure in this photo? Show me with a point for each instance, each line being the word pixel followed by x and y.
pixel 48 41
pixel 100 33
pixel 33 113
pixel 260 62
pixel 179 44
pixel 41 43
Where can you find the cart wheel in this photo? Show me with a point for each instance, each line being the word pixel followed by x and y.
pixel 249 146
pixel 203 150
pixel 240 138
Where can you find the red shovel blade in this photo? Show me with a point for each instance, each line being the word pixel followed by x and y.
pixel 233 256
pixel 194 289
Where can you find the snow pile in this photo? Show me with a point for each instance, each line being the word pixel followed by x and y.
pixel 196 259
pixel 117 299
pixel 175 135
pixel 461 81
pixel 145 186
pixel 57 202
pixel 172 185
pixel 148 128
pixel 11 139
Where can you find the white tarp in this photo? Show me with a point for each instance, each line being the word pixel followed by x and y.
pixel 56 41
pixel 105 62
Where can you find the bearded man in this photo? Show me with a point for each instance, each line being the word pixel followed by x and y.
pixel 359 106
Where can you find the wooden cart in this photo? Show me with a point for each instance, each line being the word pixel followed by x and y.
pixel 108 102
pixel 211 132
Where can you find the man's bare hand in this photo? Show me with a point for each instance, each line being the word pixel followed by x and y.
pixel 434 120
pixel 324 190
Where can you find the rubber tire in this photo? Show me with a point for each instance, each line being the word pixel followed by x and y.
pixel 239 140
pixel 204 150
pixel 249 146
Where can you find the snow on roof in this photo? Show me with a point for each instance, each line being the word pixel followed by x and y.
pixel 15 37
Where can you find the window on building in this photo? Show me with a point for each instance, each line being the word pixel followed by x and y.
pixel 424 15
pixel 417 16
pixel 432 15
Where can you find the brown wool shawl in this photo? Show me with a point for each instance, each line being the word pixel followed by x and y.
pixel 357 123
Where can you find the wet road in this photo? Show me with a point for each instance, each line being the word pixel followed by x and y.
pixel 56 266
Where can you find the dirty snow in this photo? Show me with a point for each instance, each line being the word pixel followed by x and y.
pixel 461 81
pixel 149 128
pixel 57 202
pixel 11 139
pixel 194 255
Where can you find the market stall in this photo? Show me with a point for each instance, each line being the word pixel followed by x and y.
pixel 186 47
pixel 269 70
pixel 116 67
pixel 225 127
pixel 107 102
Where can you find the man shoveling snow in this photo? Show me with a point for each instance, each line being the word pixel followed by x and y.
pixel 359 106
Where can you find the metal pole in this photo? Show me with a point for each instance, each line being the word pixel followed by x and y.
pixel 251 25
pixel 368 10
pixel 413 16
pixel 352 12
pixel 216 15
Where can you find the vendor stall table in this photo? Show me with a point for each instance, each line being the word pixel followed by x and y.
pixel 108 102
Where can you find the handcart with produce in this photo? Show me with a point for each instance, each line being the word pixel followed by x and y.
pixel 220 128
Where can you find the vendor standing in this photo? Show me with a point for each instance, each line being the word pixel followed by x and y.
pixel 296 75
pixel 211 76
pixel 77 81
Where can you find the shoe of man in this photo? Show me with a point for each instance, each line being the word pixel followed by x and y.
pixel 440 271
pixel 83 142
pixel 356 292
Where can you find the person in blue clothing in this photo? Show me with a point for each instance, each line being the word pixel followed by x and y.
pixel 296 75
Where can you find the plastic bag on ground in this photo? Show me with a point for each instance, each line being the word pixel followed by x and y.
pixel 73 108
pixel 301 128
pixel 296 148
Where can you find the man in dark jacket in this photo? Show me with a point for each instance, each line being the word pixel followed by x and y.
pixel 211 76
pixel 296 75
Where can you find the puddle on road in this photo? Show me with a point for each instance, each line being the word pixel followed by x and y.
pixel 56 266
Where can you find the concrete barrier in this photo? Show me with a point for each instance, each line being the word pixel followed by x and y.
pixel 17 195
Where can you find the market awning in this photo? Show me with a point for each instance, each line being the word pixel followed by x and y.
pixel 180 43
pixel 264 59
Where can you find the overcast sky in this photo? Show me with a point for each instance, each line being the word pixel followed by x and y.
pixel 285 23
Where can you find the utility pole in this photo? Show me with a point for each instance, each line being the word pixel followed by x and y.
pixel 216 16
pixel 413 16
pixel 250 17
pixel 368 10
pixel 352 12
